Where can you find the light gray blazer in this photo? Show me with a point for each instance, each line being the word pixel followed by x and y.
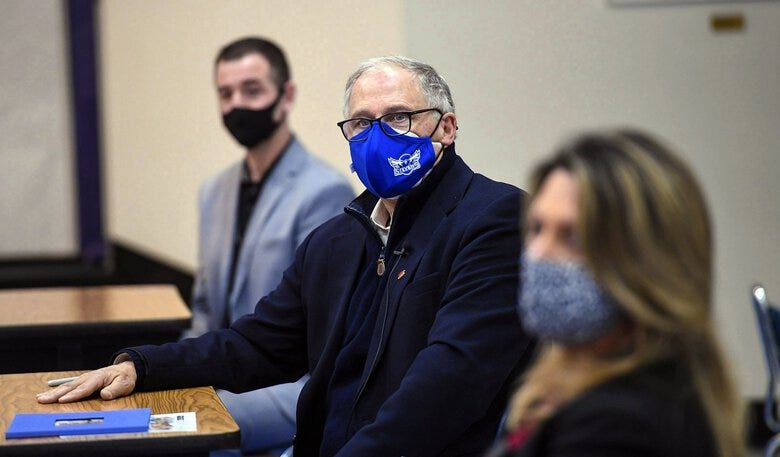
pixel 300 193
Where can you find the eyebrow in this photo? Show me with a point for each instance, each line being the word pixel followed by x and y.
pixel 243 83
pixel 251 82
pixel 392 109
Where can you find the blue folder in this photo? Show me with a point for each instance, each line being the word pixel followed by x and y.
pixel 82 423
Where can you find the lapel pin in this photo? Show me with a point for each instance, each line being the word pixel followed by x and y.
pixel 401 274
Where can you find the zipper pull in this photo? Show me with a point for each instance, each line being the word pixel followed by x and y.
pixel 380 264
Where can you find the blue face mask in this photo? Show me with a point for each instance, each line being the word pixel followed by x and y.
pixel 390 166
pixel 562 302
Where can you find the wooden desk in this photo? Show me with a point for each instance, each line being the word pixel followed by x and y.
pixel 216 428
pixel 78 328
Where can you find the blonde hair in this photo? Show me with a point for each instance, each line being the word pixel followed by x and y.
pixel 645 234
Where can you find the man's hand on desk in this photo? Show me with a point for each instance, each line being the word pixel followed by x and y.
pixel 113 381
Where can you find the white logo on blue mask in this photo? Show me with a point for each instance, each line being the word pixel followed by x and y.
pixel 405 164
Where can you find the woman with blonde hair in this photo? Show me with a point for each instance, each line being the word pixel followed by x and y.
pixel 616 281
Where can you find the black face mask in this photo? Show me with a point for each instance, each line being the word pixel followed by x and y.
pixel 250 127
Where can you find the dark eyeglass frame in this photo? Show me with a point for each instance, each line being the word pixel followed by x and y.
pixel 408 114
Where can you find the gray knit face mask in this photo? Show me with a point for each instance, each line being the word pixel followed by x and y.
pixel 561 302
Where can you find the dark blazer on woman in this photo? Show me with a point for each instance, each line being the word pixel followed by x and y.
pixel 653 412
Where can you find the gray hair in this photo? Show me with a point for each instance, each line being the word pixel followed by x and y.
pixel 433 87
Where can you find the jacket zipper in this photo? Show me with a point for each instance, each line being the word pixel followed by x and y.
pixel 381 333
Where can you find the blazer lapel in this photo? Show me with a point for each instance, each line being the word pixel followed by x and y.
pixel 223 216
pixel 271 197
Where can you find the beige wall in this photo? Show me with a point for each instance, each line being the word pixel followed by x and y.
pixel 37 164
pixel 524 75
pixel 162 133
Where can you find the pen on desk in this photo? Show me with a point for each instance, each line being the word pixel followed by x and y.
pixel 60 381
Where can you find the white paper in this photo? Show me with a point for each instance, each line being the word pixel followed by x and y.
pixel 173 422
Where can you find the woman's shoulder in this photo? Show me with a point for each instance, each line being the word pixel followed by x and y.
pixel 652 411
pixel 650 389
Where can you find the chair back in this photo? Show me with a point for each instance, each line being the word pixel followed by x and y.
pixel 768 319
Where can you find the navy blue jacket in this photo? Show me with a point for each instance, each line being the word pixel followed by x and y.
pixel 447 346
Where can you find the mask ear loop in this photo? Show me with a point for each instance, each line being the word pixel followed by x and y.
pixel 438 155
pixel 442 147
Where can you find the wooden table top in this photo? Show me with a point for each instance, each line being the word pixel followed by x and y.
pixel 216 428
pixel 104 308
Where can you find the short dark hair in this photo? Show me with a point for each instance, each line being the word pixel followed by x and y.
pixel 280 72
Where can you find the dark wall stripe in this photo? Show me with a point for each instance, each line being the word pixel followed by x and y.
pixel 81 26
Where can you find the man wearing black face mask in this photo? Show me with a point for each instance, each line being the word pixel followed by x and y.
pixel 252 217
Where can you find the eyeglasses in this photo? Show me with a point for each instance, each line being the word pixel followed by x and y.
pixel 392 124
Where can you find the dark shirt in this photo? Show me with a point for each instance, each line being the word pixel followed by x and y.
pixel 248 194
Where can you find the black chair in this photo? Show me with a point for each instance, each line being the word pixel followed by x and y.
pixel 768 319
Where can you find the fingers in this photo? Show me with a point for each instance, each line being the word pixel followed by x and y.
pixel 119 387
pixel 65 390
pixel 120 381
pixel 113 382
pixel 84 386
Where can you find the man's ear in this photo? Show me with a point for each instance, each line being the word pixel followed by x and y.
pixel 285 105
pixel 288 97
pixel 448 126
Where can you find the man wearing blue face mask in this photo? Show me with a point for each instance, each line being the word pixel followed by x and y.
pixel 402 309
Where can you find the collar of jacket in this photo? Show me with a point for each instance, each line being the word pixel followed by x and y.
pixel 245 176
pixel 409 204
